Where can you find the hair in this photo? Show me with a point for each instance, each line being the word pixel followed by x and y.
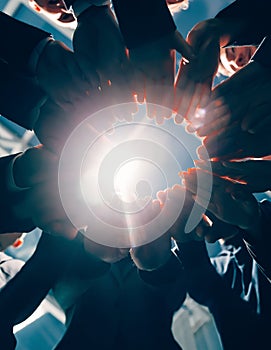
pixel 64 18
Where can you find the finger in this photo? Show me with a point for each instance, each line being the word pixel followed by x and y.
pixel 185 98
pixel 215 126
pixel 34 166
pixel 182 46
pixel 221 144
pixel 182 81
pixel 216 167
pixel 206 204
pixel 201 95
pixel 139 85
pixel 216 110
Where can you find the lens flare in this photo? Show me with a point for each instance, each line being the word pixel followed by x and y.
pixel 109 177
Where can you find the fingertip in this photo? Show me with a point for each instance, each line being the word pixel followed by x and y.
pixel 178 119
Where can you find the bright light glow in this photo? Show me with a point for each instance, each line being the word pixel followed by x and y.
pixel 125 180
pixel 108 181
pixel 198 119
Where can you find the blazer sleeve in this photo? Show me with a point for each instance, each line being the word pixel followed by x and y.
pixel 20 97
pixel 9 222
pixel 238 324
pixel 143 21
pixel 261 250
pixel 256 17
pixel 18 41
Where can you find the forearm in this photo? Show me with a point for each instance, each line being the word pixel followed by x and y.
pixel 20 97
pixel 9 221
pixel 22 295
pixel 259 241
pixel 233 316
pixel 18 41
pixel 142 22
pixel 245 22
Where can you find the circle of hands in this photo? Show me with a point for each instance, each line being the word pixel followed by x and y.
pixel 101 72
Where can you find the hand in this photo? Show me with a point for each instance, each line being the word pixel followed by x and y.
pixel 154 73
pixel 233 143
pixel 178 197
pixel 256 174
pixel 105 253
pixel 229 202
pixel 156 253
pixel 98 44
pixel 34 166
pixel 59 75
pixel 55 124
pixel 36 169
pixel 152 255
pixel 194 79
pixel 243 98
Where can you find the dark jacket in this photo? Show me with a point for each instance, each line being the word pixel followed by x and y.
pixel 230 293
pixel 125 309
pixel 9 222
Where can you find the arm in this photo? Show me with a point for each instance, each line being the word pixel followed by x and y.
pixel 253 21
pixel 142 22
pixel 169 280
pixel 9 221
pixel 20 97
pixel 259 245
pixel 19 41
pixel 240 23
pixel 237 323
pixel 22 295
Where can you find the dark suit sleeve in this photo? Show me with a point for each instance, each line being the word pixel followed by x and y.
pixel 9 222
pixel 256 18
pixel 22 294
pixel 143 21
pixel 261 250
pixel 18 39
pixel 169 281
pixel 238 324
pixel 20 97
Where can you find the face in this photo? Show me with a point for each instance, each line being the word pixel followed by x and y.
pixel 172 2
pixel 235 58
pixel 8 239
pixel 56 10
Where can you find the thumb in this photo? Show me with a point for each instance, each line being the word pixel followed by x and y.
pixel 182 46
